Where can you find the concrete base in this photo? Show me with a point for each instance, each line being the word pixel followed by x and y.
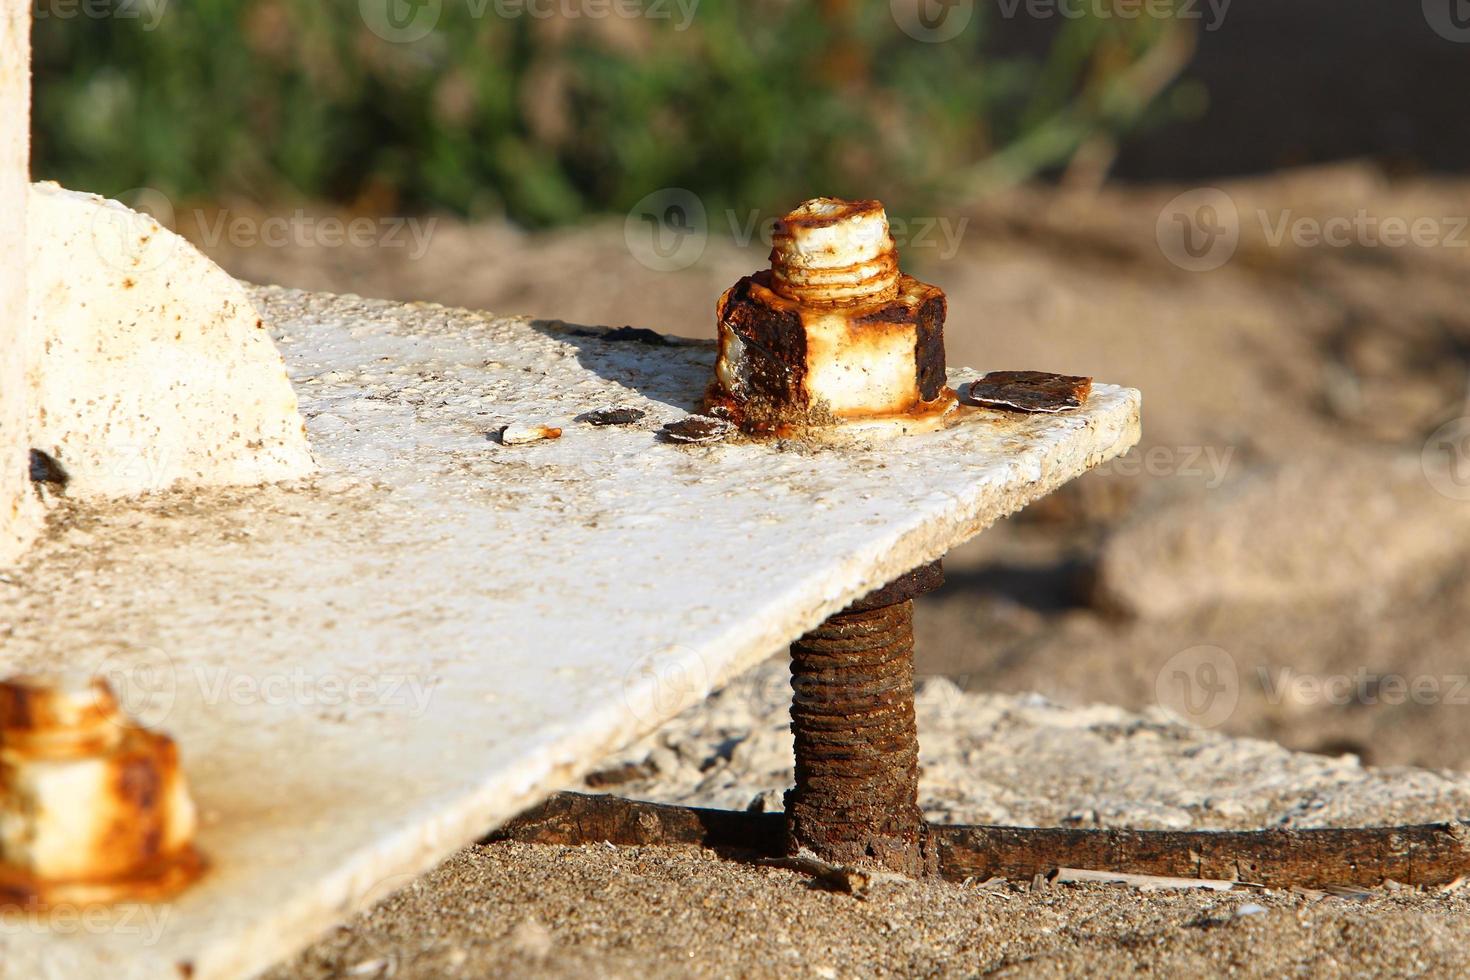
pixel 153 366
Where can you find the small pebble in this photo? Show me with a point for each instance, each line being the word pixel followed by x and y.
pixel 518 434
pixel 697 429
pixel 767 801
pixel 1249 908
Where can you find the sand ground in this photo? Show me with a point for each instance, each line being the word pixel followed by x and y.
pixel 512 909
pixel 540 911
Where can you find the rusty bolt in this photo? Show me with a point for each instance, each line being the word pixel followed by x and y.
pixel 834 336
pixel 856 798
pixel 833 332
pixel 93 808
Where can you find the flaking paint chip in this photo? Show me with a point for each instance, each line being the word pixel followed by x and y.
pixel 695 429
pixel 519 434
pixel 1030 391
pixel 613 416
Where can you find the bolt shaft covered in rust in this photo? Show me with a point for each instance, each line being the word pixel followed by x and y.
pixel 857 748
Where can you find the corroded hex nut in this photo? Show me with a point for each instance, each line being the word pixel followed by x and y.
pixel 782 361
pixel 92 806
pixel 833 332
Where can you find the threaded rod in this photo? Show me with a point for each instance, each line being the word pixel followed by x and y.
pixel 857 749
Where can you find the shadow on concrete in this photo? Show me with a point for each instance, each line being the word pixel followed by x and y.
pixel 671 370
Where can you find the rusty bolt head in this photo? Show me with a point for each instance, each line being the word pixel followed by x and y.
pixel 833 332
pixel 92 807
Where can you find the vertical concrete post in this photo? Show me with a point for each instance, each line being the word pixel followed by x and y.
pixel 19 510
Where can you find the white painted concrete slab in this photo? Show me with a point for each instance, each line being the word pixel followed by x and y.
pixel 152 365
pixel 368 670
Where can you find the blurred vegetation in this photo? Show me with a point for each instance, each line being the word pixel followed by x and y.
pixel 545 120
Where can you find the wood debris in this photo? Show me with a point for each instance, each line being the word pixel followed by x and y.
pixel 849 880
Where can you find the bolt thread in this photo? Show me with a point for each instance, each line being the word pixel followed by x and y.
pixel 831 252
pixel 857 748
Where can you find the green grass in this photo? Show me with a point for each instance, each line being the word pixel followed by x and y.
pixel 757 103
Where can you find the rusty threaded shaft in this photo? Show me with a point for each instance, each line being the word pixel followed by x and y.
pixel 857 747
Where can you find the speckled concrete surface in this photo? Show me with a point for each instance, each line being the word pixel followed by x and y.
pixel 369 670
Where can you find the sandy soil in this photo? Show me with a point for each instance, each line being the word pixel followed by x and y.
pixel 510 909
pixel 533 911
